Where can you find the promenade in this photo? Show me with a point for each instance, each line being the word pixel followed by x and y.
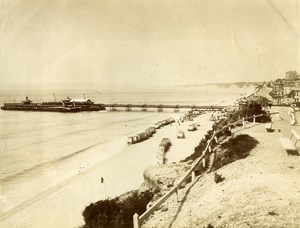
pixel 262 190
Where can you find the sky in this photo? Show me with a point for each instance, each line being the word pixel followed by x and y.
pixel 146 43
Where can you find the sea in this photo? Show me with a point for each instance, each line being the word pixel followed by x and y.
pixel 41 150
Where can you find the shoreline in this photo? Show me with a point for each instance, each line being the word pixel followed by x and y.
pixel 88 186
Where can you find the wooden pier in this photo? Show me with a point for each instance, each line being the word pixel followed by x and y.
pixel 158 107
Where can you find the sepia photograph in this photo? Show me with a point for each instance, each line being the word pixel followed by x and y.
pixel 149 113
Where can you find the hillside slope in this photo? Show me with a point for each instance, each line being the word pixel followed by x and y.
pixel 262 190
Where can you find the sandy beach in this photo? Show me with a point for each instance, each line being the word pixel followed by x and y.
pixel 62 205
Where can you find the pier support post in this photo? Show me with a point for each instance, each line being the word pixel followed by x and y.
pixel 254 119
pixel 136 223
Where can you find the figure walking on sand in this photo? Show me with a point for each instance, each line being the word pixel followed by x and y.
pixel 292 114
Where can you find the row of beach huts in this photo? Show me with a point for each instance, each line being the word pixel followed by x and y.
pixel 149 131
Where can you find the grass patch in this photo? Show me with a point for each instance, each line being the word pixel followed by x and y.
pixel 236 148
pixel 218 178
pixel 117 212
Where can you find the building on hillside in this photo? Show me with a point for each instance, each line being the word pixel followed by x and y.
pixel 278 91
pixel 291 75
pixel 286 90
pixel 243 103
pixel 297 84
pixel 271 84
pixel 296 96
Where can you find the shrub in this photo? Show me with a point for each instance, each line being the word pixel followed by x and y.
pixel 219 178
pixel 252 109
pixel 236 148
pixel 117 212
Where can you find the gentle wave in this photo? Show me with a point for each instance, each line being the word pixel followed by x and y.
pixel 52 162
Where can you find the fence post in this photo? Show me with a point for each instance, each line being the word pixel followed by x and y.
pixel 203 161
pixel 216 139
pixel 254 119
pixel 243 122
pixel 193 176
pixel 136 223
pixel 177 197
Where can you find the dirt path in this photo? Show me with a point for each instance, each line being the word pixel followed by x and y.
pixel 262 190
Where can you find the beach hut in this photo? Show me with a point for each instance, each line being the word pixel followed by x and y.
pixel 192 127
pixel 180 134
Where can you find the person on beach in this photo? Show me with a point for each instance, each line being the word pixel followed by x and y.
pixel 292 115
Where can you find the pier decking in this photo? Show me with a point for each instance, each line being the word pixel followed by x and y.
pixel 159 107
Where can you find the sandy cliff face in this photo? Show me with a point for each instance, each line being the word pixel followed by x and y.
pixel 163 177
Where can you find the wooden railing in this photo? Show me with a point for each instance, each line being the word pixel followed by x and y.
pixel 137 220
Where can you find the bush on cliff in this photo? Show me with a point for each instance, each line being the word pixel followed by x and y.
pixel 117 212
pixel 252 109
pixel 236 148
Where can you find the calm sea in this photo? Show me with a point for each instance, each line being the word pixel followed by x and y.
pixel 39 150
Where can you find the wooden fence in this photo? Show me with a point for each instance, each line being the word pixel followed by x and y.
pixel 138 220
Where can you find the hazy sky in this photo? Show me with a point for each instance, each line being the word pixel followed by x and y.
pixel 147 42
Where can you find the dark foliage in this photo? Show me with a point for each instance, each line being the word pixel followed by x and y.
pixel 116 213
pixel 252 109
pixel 236 148
pixel 218 178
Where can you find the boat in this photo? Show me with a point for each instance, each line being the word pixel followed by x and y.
pixel 68 105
